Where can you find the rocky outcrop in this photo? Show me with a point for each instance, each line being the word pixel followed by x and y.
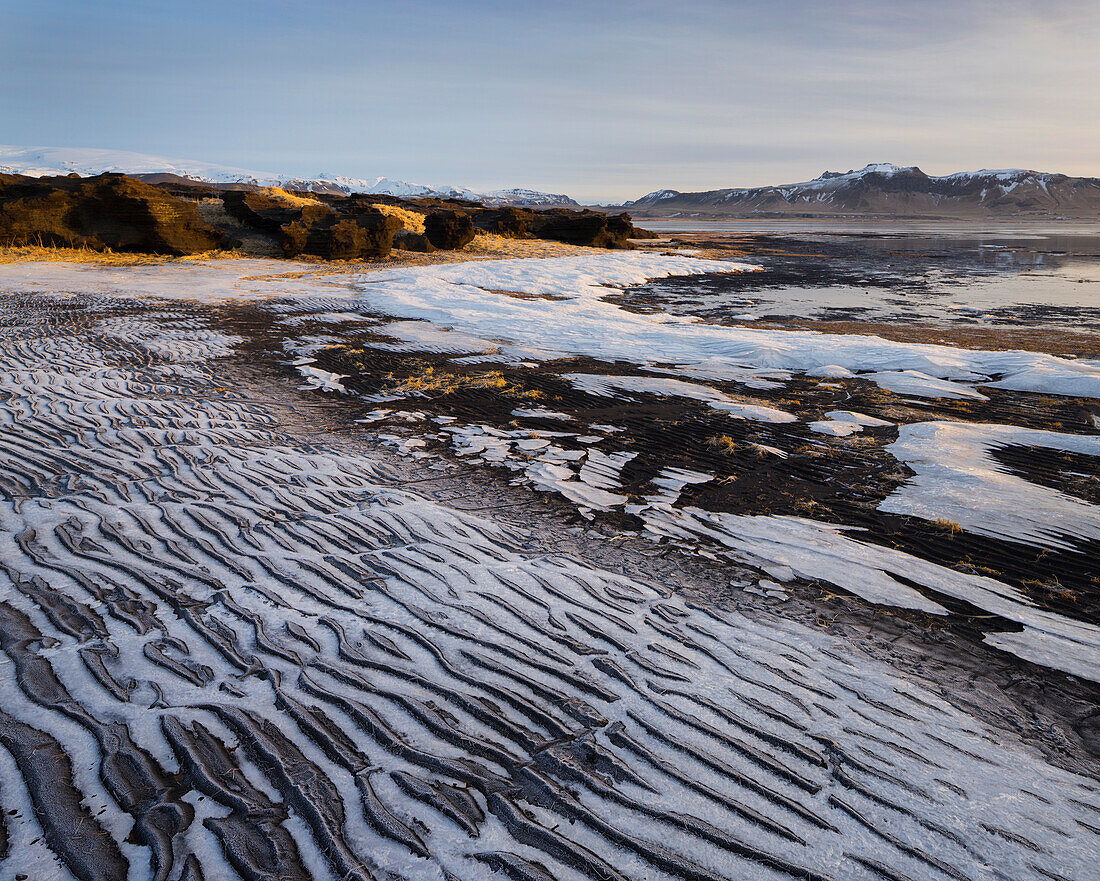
pixel 324 233
pixel 413 241
pixel 449 230
pixel 118 212
pixel 343 230
pixel 509 222
pixel 111 211
pixel 259 210
pixel 590 228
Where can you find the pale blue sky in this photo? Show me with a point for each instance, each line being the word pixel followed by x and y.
pixel 601 100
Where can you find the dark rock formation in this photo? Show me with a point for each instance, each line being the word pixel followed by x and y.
pixel 126 214
pixel 590 228
pixel 413 241
pixel 509 222
pixel 259 210
pixel 449 230
pixel 344 230
pixel 109 211
pixel 324 233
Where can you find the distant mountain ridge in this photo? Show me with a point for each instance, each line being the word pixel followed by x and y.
pixel 883 190
pixel 49 161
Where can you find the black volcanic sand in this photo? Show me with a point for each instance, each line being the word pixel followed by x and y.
pixel 275 738
pixel 836 480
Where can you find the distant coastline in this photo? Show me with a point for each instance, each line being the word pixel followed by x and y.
pixel 884 192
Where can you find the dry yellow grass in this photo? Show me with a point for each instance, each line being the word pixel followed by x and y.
pixel 413 221
pixel 435 383
pixel 724 443
pixel 950 525
pixel 42 254
pixel 37 254
pixel 298 200
pixel 431 381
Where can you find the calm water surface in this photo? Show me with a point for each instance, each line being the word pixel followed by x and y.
pixel 1008 274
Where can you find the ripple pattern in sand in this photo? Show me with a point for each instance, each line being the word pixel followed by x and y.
pixel 225 653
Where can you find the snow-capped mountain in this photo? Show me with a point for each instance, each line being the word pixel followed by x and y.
pixel 886 190
pixel 47 161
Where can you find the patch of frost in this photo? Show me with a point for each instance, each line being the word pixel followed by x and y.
pixel 608 386
pixel 957 479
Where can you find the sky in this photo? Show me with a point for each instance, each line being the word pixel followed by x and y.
pixel 601 100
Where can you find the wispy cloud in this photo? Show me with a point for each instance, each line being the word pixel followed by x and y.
pixel 600 100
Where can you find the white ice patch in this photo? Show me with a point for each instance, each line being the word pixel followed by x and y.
pixel 717 371
pixel 830 371
pixel 810 549
pixel 422 336
pixel 841 423
pixel 546 466
pixel 565 312
pixel 392 415
pixel 609 386
pixel 561 479
pixel 860 419
pixel 882 575
pixel 834 427
pixel 671 482
pixel 602 469
pixel 316 378
pixel 913 382
pixel 957 479
pixel 1051 379
pixel 541 413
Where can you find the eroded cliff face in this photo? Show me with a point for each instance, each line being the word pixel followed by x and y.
pixel 111 211
pixel 120 213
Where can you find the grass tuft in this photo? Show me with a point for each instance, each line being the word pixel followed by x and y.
pixel 723 443
pixel 436 383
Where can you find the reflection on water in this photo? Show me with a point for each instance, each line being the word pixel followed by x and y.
pixel 1019 275
pixel 927 229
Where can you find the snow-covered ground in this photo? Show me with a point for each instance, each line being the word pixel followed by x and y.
pixel 527 311
pixel 229 646
pixel 562 310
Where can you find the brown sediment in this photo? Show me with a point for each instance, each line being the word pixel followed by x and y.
pixel 1057 341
